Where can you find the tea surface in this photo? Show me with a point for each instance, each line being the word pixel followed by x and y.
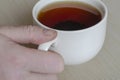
pixel 69 16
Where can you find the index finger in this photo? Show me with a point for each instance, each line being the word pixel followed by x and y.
pixel 44 62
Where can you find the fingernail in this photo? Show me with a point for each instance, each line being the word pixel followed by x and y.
pixel 49 32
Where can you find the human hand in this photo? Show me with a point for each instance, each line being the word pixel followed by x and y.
pixel 21 63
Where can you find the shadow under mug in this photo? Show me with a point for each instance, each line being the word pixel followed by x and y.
pixel 78 46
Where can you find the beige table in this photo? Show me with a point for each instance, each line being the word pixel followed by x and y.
pixel 105 66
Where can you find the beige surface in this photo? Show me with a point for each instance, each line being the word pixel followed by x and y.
pixel 105 66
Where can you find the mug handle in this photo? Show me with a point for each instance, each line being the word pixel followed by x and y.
pixel 46 46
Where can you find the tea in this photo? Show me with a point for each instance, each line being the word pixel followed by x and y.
pixel 69 16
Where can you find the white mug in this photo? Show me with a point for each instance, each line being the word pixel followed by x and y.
pixel 76 46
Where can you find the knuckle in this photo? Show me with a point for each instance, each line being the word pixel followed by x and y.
pixel 31 31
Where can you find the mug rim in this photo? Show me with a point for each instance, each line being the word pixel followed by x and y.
pixel 105 15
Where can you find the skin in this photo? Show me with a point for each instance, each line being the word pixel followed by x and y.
pixel 18 62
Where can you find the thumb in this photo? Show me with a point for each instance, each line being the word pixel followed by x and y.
pixel 28 34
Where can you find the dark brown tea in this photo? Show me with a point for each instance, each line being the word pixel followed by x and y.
pixel 69 16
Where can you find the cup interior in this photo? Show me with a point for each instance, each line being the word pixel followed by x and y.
pixel 99 5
